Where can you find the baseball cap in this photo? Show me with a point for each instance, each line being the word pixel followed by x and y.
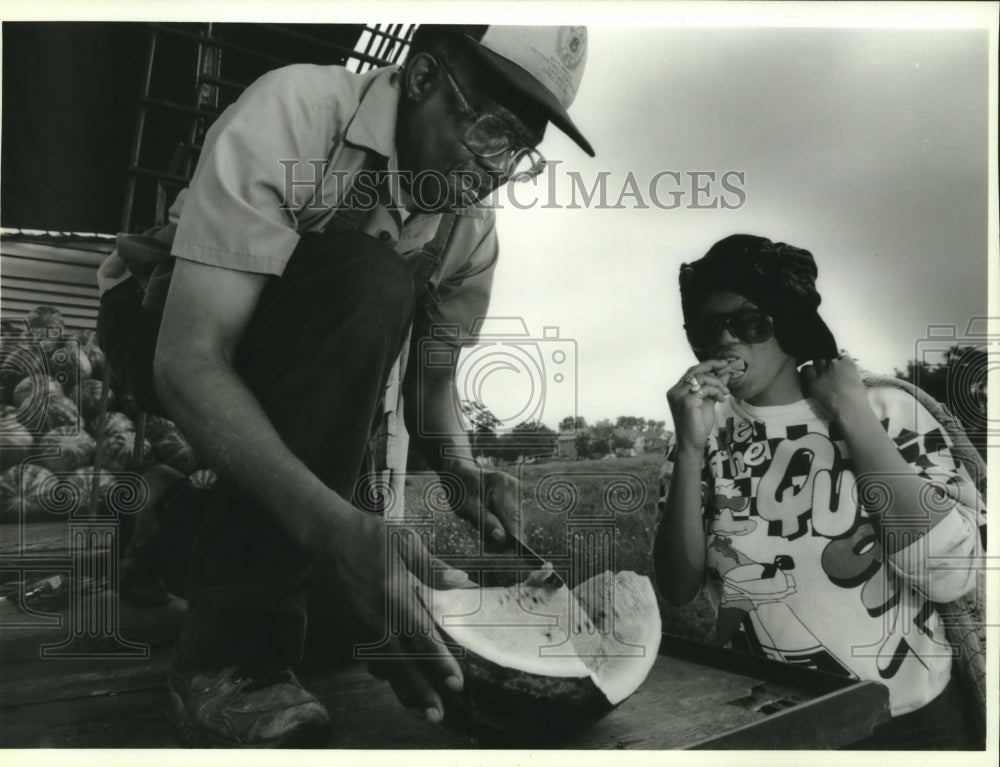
pixel 544 64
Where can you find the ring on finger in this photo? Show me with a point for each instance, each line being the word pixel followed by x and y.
pixel 695 385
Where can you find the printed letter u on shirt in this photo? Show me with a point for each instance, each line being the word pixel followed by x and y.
pixel 785 492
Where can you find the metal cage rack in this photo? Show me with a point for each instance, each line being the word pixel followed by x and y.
pixel 175 109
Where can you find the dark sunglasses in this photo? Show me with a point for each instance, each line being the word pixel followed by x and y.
pixel 751 326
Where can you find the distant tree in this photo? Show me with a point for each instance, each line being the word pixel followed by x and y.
pixel 958 383
pixel 573 423
pixel 530 427
pixel 933 379
pixel 532 439
pixel 479 416
pixel 583 445
pixel 621 442
pixel 629 422
pixel 656 426
pixel 483 437
pixel 486 443
pixel 599 446
pixel 600 438
pixel 529 439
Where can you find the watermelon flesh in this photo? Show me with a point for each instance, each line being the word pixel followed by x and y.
pixel 538 658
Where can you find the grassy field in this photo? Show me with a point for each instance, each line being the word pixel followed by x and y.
pixel 608 507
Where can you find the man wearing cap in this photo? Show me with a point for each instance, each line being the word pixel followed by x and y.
pixel 306 299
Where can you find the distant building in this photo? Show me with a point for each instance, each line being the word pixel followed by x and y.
pixel 631 443
pixel 634 439
pixel 656 442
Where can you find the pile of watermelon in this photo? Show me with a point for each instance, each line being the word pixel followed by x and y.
pixel 51 385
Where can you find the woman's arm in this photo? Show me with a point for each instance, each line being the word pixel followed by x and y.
pixel 679 545
pixel 907 505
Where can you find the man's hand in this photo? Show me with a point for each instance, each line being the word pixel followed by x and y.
pixel 380 567
pixel 489 503
pixel 488 498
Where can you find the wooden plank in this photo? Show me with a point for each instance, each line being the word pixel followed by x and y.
pixel 40 538
pixel 696 695
pixel 679 703
pixel 25 638
pixel 830 721
pixel 682 704
pixel 753 666
pixel 125 720
pixel 23 684
pixel 366 714
pixel 134 719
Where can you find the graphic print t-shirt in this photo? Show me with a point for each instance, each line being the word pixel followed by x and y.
pixel 795 563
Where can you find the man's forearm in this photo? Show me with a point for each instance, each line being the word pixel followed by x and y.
pixel 435 427
pixel 490 501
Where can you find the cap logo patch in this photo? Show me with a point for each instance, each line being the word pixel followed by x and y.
pixel 572 44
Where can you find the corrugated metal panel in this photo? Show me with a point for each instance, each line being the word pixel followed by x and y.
pixel 53 271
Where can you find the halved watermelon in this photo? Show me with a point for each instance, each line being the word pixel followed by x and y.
pixel 544 659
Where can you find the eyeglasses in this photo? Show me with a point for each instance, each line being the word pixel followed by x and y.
pixel 487 136
pixel 750 326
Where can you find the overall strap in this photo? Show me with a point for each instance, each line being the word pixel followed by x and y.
pixel 426 261
pixel 355 208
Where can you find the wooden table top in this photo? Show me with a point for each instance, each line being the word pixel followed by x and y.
pixel 694 697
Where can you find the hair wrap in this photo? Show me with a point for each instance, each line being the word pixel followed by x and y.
pixel 779 278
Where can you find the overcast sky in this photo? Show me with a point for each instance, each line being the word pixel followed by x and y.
pixel 866 146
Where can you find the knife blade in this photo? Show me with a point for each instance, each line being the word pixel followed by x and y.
pixel 535 560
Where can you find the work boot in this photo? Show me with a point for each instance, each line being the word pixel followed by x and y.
pixel 246 707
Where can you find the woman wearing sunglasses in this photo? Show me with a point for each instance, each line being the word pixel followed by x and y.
pixel 811 506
